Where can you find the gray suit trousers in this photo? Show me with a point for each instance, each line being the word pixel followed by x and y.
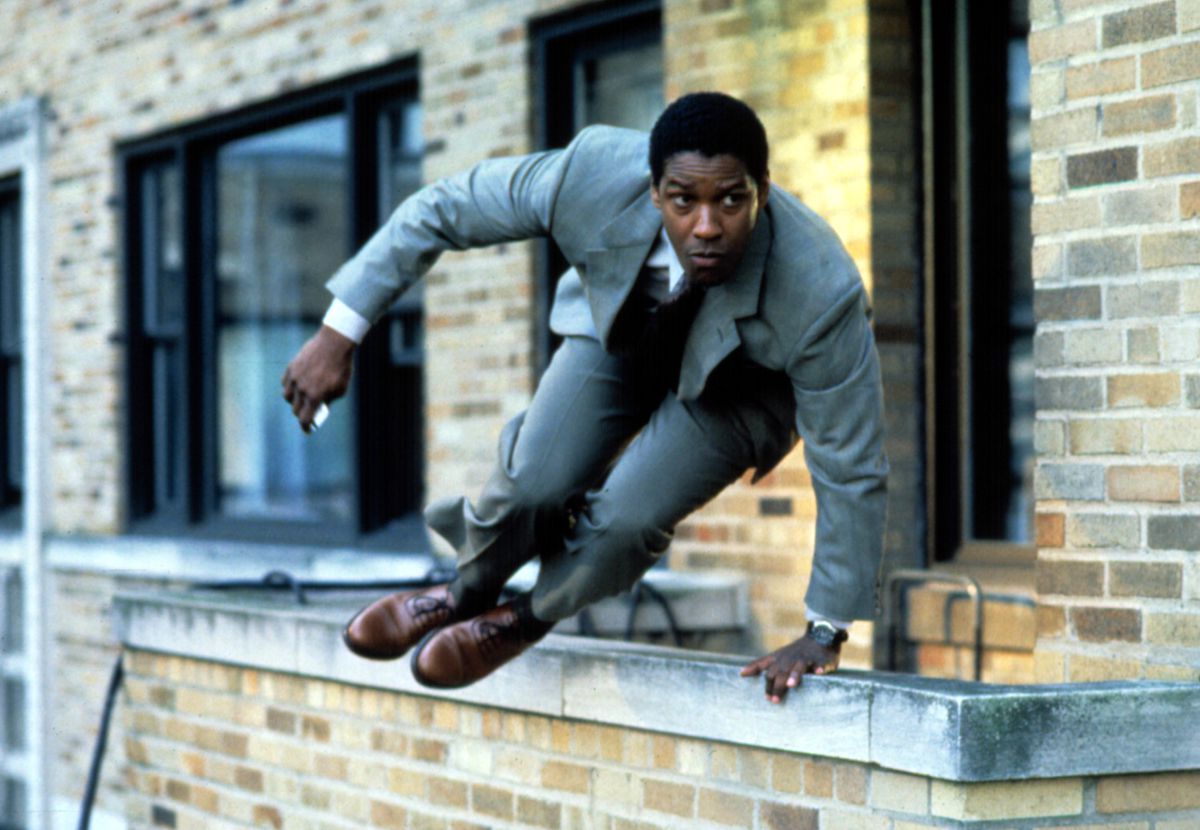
pixel 592 479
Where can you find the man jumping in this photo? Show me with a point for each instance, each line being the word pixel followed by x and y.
pixel 707 320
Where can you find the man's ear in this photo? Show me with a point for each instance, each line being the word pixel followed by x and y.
pixel 654 196
pixel 764 189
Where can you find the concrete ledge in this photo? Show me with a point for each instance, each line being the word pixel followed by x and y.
pixel 952 730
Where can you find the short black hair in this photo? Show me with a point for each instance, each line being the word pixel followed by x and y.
pixel 712 124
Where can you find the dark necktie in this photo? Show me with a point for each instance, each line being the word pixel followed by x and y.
pixel 655 337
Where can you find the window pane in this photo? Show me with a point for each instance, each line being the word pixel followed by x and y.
pixel 14 714
pixel 12 460
pixel 15 804
pixel 14 614
pixel 162 322
pixel 282 231
pixel 623 88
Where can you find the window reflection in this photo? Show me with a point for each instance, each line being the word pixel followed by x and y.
pixel 282 227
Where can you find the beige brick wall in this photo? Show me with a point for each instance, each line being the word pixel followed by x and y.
pixel 829 80
pixel 115 77
pixel 1115 136
pixel 213 746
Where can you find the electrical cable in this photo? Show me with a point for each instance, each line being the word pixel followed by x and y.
pixel 283 581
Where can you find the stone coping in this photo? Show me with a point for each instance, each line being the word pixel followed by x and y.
pixel 954 730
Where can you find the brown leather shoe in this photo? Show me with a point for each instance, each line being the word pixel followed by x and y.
pixel 461 654
pixel 389 627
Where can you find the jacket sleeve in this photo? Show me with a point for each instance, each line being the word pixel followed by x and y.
pixel 497 200
pixel 835 376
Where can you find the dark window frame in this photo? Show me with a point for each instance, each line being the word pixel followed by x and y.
pixel 191 150
pixel 557 43
pixel 11 352
pixel 967 240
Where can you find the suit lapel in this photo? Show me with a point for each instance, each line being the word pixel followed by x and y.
pixel 613 269
pixel 714 334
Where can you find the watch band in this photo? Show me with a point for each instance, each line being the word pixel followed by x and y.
pixel 826 634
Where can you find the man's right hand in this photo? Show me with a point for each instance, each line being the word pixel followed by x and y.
pixel 319 373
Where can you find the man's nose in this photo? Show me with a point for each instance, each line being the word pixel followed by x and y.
pixel 707 224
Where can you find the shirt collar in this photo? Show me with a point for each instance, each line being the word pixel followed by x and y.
pixel 663 256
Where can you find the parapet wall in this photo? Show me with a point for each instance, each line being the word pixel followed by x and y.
pixel 241 711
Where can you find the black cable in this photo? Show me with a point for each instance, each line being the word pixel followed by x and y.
pixel 93 779
pixel 284 581
pixel 656 595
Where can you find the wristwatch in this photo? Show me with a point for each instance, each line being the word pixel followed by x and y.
pixel 826 634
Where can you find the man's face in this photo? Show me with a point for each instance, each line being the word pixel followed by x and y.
pixel 709 205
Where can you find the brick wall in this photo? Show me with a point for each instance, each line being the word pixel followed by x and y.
pixel 1116 159
pixel 110 78
pixel 827 78
pixel 212 746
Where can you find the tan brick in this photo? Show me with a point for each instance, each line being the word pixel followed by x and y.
pixel 726 808
pixel 1049 667
pixel 1050 530
pixel 1107 436
pixel 1173 434
pixel 663 752
pixel 1065 41
pixel 1188 12
pixel 1063 129
pixel 818 779
pixel 1155 389
pixel 1103 530
pixel 1101 78
pixel 1084 668
pixel 1163 580
pixel 446 792
pixel 1070 578
pixel 533 812
pixel 1051 620
pixel 1167 250
pixel 617 787
pixel 1047 88
pixel 1104 625
pixel 559 775
pixel 787 774
pixel 669 797
pixel 492 801
pixel 1173 629
pixel 1007 799
pixel 1161 792
pixel 389 816
pixel 1141 115
pixel 1171 65
pixel 777 816
pixel 1144 483
pixel 1046 177
pixel 1189 205
pixel 845 820
pixel 899 792
pixel 1093 346
pixel 406 782
pixel 1172 158
pixel 1048 261
pixel 850 783
pixel 1066 215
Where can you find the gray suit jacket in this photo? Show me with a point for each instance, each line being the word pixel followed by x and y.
pixel 787 339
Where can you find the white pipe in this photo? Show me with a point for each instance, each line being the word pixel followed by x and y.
pixel 38 639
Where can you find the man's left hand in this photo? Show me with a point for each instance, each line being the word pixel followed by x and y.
pixel 785 667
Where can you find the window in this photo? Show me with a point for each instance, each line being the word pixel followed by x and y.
pixel 603 67
pixel 233 227
pixel 979 309
pixel 11 398
pixel 13 771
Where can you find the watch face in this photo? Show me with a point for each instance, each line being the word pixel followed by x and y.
pixel 825 635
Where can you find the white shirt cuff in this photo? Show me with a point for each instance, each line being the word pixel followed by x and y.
pixel 813 616
pixel 346 321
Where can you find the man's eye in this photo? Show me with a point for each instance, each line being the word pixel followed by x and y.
pixel 681 200
pixel 734 199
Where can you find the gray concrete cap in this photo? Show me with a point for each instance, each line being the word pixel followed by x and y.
pixel 953 730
